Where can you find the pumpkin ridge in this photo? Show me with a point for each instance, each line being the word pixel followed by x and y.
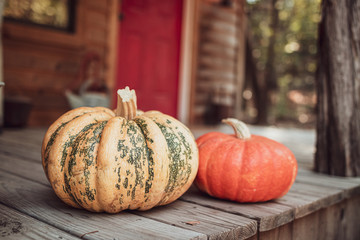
pixel 210 146
pixel 61 148
pixel 174 155
pixel 239 166
pixel 72 114
pixel 70 142
pixel 149 152
pixel 51 141
pixel 269 193
pixel 284 152
pixel 214 158
pixel 71 162
pixel 89 158
pixel 60 127
pixel 241 170
pixel 64 118
pixel 71 138
pixel 251 148
pixel 158 170
pixel 109 171
pixel 136 158
pixel 180 155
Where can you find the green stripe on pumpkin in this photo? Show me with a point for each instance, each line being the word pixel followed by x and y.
pixel 178 147
pixel 52 140
pixel 149 153
pixel 91 135
pixel 137 155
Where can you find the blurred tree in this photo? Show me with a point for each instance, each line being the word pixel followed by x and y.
pixel 282 37
pixel 338 89
pixel 270 82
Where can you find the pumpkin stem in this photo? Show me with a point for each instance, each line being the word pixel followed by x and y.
pixel 126 103
pixel 240 128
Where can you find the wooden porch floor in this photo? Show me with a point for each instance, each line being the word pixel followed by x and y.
pixel 317 206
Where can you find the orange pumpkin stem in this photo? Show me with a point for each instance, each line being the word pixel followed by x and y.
pixel 126 103
pixel 240 128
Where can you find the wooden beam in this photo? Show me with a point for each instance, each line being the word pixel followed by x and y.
pixel 188 59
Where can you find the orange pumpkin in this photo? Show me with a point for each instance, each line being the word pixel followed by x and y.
pixel 244 167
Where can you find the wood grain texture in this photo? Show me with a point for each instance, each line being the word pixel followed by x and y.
pixel 350 186
pixel 217 58
pixel 213 223
pixel 28 136
pixel 23 168
pixel 338 88
pixel 19 150
pixel 282 232
pixel 307 198
pixel 318 206
pixel 15 225
pixel 23 143
pixel 269 214
pixel 40 202
pixel 339 221
pixel 216 224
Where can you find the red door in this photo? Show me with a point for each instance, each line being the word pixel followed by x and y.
pixel 149 52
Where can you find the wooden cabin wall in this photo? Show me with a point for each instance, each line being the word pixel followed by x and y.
pixel 41 63
pixel 220 69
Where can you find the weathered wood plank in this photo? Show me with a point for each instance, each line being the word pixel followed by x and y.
pixel 23 168
pixel 24 143
pixel 219 13
pixel 306 198
pixel 24 58
pixel 350 185
pixel 36 81
pixel 39 201
pixel 20 150
pixel 239 228
pixel 228 41
pixel 26 136
pixel 228 28
pixel 339 221
pixel 215 62
pixel 269 214
pixel 350 218
pixel 15 225
pixel 35 133
pixel 282 232
pixel 312 193
pixel 214 223
pixel 208 48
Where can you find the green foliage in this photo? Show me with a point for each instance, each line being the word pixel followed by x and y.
pixel 295 46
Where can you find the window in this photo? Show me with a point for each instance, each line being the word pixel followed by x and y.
pixel 55 14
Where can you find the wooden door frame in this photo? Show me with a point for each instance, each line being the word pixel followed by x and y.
pixel 188 59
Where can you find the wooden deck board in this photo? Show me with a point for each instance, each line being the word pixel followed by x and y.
pixel 225 225
pixel 23 168
pixel 307 198
pixel 212 222
pixel 40 202
pixel 25 190
pixel 269 214
pixel 16 225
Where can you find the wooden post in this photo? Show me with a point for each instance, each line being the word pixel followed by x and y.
pixel 1 70
pixel 338 89
pixel 240 58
